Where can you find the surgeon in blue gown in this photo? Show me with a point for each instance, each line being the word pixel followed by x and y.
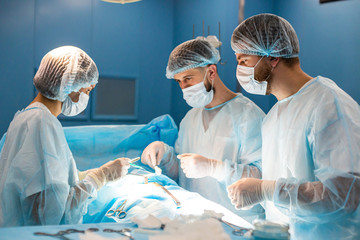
pixel 39 181
pixel 219 139
pixel 311 137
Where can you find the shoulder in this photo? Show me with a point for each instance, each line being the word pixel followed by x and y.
pixel 244 107
pixel 191 114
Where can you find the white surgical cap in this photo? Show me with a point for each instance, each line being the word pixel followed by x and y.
pixel 191 54
pixel 265 35
pixel 64 70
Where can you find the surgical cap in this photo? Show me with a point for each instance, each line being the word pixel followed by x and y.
pixel 64 70
pixel 191 54
pixel 265 35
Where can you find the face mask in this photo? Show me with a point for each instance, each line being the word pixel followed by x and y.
pixel 245 76
pixel 70 108
pixel 196 96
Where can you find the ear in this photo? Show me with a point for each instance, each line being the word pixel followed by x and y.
pixel 212 71
pixel 274 61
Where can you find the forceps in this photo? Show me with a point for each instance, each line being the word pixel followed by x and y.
pixel 125 232
pixel 238 231
pixel 119 213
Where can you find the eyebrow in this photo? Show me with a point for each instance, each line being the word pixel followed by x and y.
pixel 241 56
pixel 186 76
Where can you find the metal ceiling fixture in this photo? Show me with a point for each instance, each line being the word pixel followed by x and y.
pixel 121 1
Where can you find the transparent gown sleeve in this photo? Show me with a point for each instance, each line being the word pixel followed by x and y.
pixel 234 172
pixel 54 194
pixel 59 203
pixel 334 143
pixel 169 163
pixel 248 164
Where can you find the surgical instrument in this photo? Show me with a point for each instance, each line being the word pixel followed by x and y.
pixel 134 160
pixel 119 213
pixel 125 232
pixel 61 233
pixel 238 231
pixel 177 202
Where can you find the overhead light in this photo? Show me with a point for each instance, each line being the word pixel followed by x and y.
pixel 121 1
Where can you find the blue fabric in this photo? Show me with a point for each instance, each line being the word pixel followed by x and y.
pixel 92 146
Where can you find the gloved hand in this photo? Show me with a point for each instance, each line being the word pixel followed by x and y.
pixel 110 171
pixel 153 153
pixel 249 191
pixel 197 166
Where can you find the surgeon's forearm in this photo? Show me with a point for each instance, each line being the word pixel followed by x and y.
pixel 340 193
pixel 233 172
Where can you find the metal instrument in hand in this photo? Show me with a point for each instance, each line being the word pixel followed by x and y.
pixel 134 160
pixel 119 213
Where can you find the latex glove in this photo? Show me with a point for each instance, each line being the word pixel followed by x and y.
pixel 110 171
pixel 197 166
pixel 153 153
pixel 249 191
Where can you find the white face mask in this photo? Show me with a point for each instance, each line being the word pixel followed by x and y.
pixel 70 108
pixel 196 96
pixel 246 78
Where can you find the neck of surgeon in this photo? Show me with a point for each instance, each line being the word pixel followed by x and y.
pixel 53 105
pixel 221 93
pixel 287 80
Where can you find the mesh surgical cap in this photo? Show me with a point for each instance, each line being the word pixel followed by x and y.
pixel 64 70
pixel 265 35
pixel 191 54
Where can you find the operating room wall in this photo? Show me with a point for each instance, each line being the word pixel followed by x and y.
pixel 329 36
pixel 130 40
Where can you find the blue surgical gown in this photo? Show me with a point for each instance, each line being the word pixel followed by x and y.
pixel 231 133
pixel 311 147
pixel 39 180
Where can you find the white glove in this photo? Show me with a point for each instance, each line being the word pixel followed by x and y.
pixel 153 153
pixel 110 171
pixel 249 191
pixel 197 166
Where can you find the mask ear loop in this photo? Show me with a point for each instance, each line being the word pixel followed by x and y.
pixel 258 61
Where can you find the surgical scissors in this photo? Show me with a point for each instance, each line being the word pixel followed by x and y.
pixel 119 213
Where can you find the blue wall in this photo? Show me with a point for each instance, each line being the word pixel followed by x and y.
pixel 135 40
pixel 131 40
pixel 16 57
pixel 329 36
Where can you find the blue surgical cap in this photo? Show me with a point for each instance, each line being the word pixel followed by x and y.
pixel 64 70
pixel 191 54
pixel 265 35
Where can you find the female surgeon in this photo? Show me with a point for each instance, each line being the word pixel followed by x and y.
pixel 39 181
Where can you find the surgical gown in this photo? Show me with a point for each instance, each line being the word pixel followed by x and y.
pixel 231 133
pixel 311 147
pixel 39 180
